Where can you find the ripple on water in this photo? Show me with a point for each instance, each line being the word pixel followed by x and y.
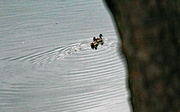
pixel 41 57
pixel 94 80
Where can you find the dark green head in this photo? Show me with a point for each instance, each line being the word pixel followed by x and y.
pixel 100 35
pixel 94 38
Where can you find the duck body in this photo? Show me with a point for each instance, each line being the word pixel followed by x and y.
pixel 100 40
pixel 94 45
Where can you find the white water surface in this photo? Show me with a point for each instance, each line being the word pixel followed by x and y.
pixel 47 65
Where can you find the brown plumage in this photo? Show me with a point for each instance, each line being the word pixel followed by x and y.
pixel 94 45
pixel 96 41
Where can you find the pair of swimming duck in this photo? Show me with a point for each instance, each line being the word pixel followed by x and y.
pixel 97 41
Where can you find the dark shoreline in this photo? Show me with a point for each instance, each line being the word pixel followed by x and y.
pixel 149 31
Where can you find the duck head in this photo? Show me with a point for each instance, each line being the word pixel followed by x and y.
pixel 94 38
pixel 100 35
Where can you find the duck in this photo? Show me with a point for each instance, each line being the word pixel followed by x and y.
pixel 99 40
pixel 96 42
pixel 94 45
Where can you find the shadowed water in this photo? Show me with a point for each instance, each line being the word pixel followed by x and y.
pixel 47 63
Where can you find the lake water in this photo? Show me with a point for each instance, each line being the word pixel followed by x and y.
pixel 47 65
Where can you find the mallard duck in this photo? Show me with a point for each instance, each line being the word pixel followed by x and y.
pixel 100 40
pixel 94 45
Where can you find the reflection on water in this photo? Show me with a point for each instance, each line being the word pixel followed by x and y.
pixel 47 63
